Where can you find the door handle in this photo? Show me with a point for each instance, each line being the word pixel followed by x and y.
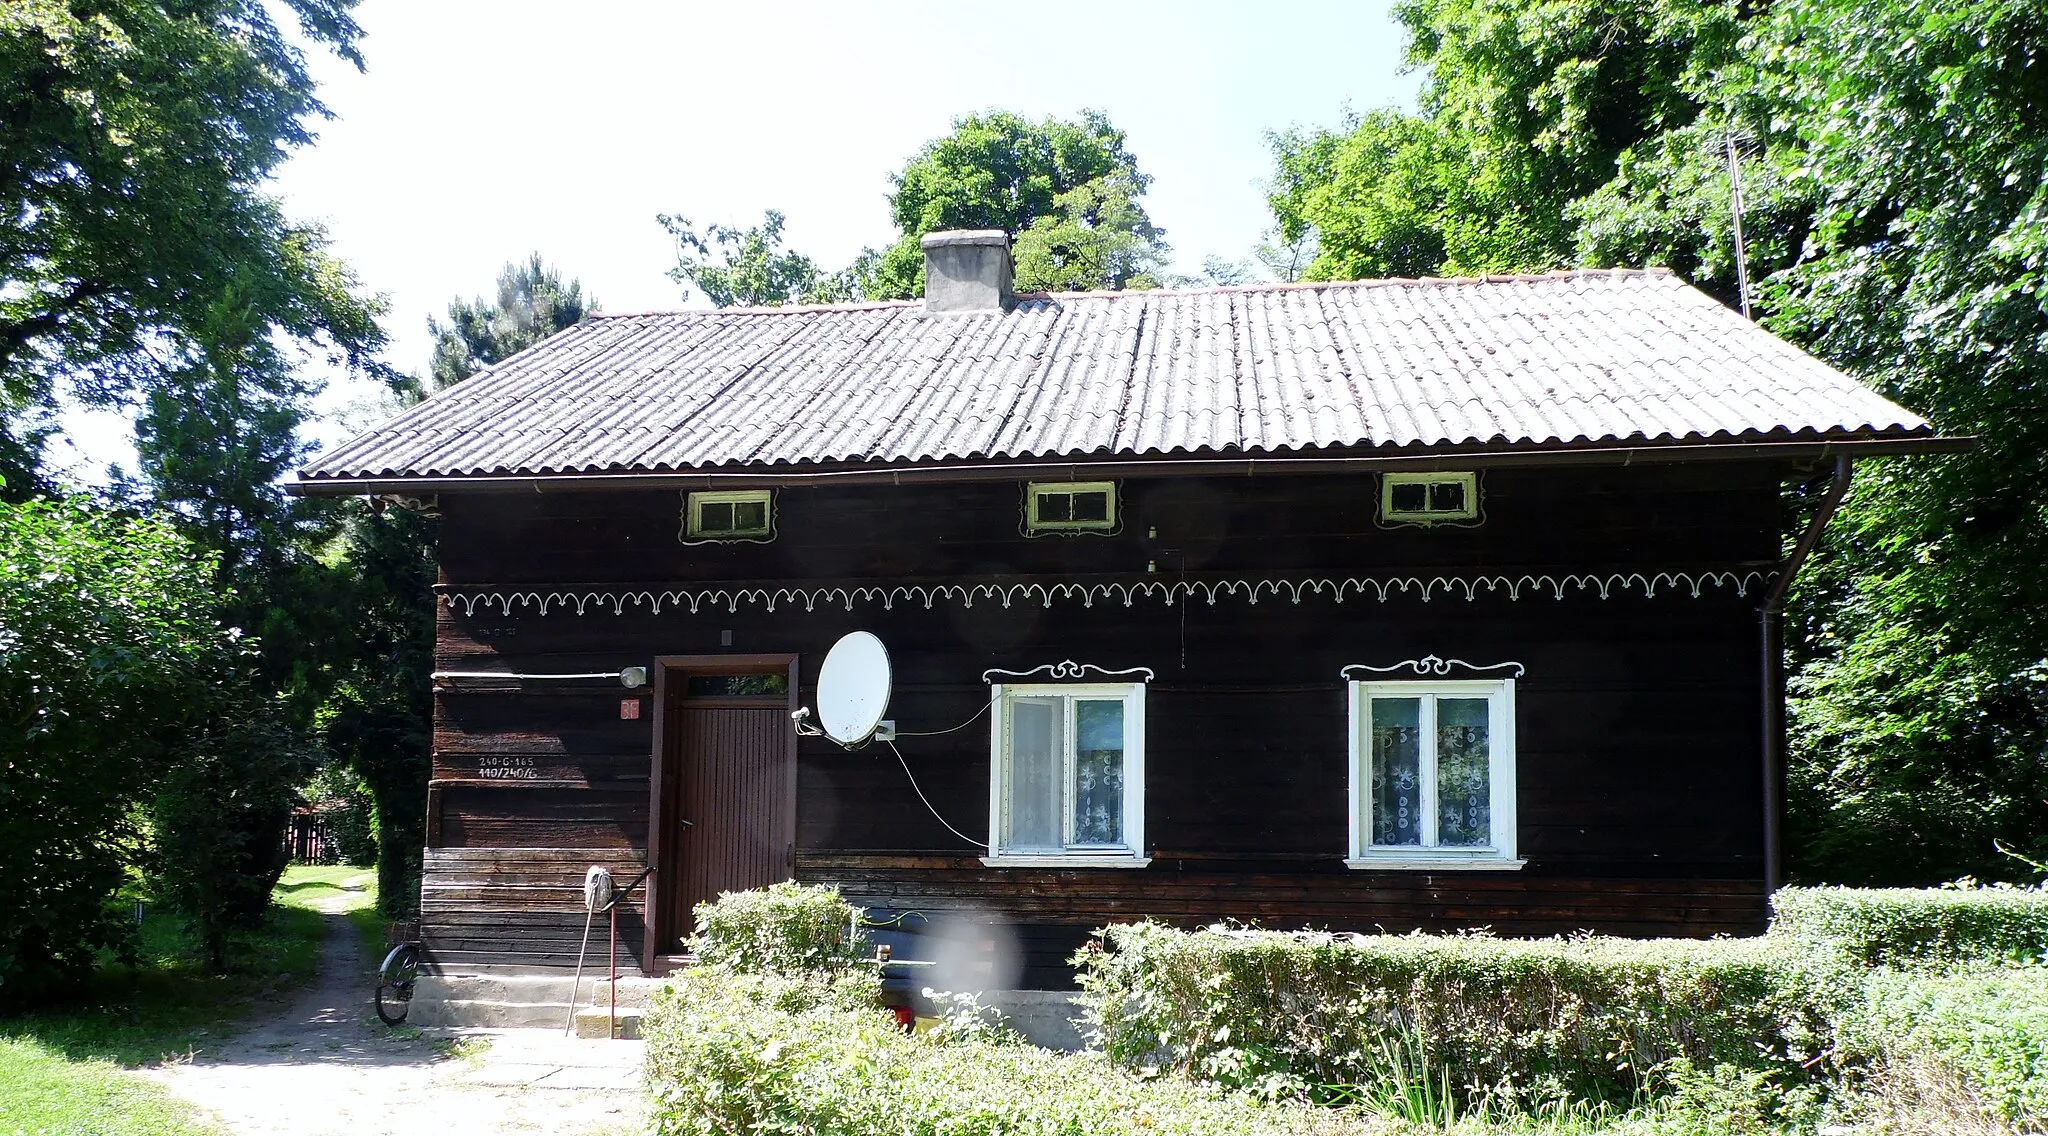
pixel 686 823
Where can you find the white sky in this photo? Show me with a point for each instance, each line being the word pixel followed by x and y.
pixel 481 132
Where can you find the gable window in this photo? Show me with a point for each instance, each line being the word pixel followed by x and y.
pixel 1070 506
pixel 1428 498
pixel 746 514
pixel 1433 774
pixel 1067 775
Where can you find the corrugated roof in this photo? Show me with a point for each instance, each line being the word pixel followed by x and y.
pixel 1558 360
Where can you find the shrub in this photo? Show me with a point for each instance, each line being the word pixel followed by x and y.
pixel 1967 1042
pixel 1880 926
pixel 733 1054
pixel 107 642
pixel 789 928
pixel 1518 1022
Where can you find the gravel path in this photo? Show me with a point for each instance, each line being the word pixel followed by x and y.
pixel 325 1065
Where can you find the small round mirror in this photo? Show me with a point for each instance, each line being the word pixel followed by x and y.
pixel 853 688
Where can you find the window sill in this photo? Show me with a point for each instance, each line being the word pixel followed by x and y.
pixel 1074 861
pixel 1434 863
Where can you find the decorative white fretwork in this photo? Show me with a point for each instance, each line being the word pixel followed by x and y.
pixel 1069 670
pixel 652 600
pixel 1431 665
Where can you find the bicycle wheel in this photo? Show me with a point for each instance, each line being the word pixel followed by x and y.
pixel 394 983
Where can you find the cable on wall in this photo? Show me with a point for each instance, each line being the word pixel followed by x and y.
pixel 927 800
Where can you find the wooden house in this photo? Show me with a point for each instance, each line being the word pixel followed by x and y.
pixel 1402 603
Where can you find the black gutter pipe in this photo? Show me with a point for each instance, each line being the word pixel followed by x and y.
pixel 1772 647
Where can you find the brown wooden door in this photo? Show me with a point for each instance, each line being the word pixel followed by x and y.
pixel 736 799
pixel 726 808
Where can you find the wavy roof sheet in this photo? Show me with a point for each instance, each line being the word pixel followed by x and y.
pixel 1559 360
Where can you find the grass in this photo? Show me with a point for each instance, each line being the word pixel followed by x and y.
pixel 62 1070
pixel 44 1092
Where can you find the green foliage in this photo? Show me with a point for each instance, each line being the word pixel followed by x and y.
pixel 1982 1032
pixel 1898 926
pixel 218 818
pixel 532 303
pixel 1922 720
pixel 1518 1023
pixel 731 1054
pixel 108 642
pixel 133 148
pixel 1065 190
pixel 748 268
pixel 787 929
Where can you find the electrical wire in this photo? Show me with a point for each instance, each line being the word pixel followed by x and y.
pixel 927 800
pixel 952 730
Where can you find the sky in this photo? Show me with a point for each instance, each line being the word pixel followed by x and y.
pixel 478 133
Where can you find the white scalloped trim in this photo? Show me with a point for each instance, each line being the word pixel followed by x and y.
pixel 653 599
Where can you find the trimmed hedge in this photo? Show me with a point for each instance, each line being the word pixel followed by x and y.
pixel 737 1055
pixel 1520 1022
pixel 1984 1030
pixel 789 928
pixel 1916 926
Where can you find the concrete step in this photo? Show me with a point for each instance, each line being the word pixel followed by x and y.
pixel 593 1023
pixel 516 1000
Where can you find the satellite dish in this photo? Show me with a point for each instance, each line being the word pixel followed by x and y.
pixel 853 688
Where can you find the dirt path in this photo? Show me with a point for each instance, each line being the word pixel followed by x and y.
pixel 325 1065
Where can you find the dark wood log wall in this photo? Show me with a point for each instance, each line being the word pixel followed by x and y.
pixel 1638 732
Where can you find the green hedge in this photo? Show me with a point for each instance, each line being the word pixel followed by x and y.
pixel 1916 926
pixel 1519 1022
pixel 732 1054
pixel 789 928
pixel 1984 1031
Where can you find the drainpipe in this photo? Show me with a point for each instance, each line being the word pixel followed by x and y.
pixel 1771 635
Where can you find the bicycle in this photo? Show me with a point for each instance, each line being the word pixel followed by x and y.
pixel 395 978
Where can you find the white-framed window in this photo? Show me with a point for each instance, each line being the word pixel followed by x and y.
pixel 1433 774
pixel 1428 498
pixel 1067 775
pixel 1069 506
pixel 739 514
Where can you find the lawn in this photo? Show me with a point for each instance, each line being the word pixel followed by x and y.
pixel 63 1070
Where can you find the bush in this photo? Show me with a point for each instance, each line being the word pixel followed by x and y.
pixel 108 641
pixel 1907 926
pixel 733 1054
pixel 789 928
pixel 1520 1023
pixel 1973 1042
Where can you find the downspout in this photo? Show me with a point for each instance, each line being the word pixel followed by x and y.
pixel 1772 648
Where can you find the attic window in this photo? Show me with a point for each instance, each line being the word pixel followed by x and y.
pixel 746 514
pixel 1070 506
pixel 1428 498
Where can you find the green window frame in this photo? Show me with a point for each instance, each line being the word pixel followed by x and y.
pixel 1428 498
pixel 739 514
pixel 1070 506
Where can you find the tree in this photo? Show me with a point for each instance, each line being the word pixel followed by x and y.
pixel 109 643
pixel 1066 190
pixel 532 304
pixel 748 267
pixel 135 138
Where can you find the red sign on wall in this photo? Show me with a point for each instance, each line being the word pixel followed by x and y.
pixel 629 709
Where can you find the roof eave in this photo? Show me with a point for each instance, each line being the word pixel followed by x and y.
pixel 1097 465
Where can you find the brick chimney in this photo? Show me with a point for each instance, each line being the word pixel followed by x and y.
pixel 966 271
